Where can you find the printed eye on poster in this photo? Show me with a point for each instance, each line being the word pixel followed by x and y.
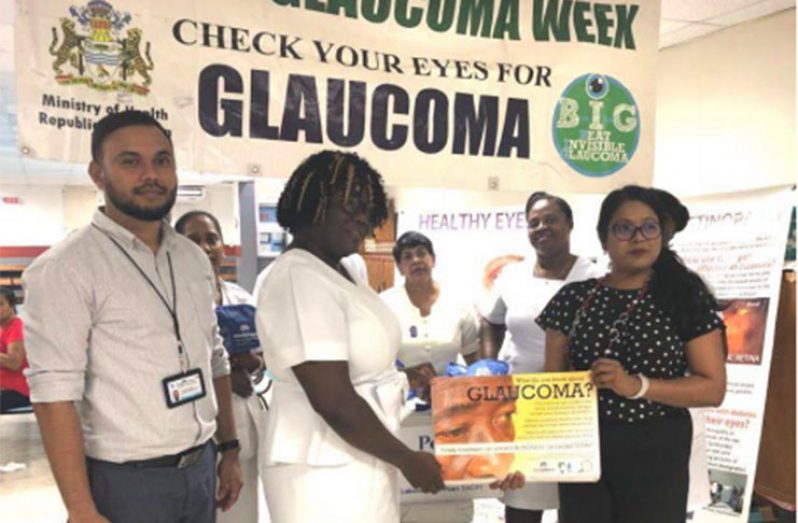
pixel 548 93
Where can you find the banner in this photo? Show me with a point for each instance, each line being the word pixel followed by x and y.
pixel 735 241
pixel 544 425
pixel 502 94
pixel 738 246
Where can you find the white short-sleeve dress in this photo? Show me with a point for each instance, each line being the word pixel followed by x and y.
pixel 309 312
pixel 517 298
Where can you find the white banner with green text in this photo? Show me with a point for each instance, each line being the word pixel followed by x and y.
pixel 453 93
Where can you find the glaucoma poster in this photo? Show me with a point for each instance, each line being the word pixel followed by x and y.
pixel 544 425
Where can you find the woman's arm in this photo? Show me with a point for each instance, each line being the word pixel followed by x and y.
pixel 329 389
pixel 491 336
pixel 704 387
pixel 556 351
pixel 14 358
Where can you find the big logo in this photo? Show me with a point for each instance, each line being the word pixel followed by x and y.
pixel 596 125
pixel 97 49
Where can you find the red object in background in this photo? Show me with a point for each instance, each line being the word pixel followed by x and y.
pixel 12 200
pixel 745 329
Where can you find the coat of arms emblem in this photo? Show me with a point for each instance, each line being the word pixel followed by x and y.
pixel 96 48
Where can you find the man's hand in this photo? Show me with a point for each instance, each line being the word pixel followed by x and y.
pixel 229 478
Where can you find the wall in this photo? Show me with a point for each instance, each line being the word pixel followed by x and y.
pixel 80 202
pixel 221 200
pixel 47 213
pixel 38 219
pixel 726 109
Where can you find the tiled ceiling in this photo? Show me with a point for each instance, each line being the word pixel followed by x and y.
pixel 682 20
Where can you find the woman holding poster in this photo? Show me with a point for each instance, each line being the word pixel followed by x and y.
pixel 518 296
pixel 330 453
pixel 650 334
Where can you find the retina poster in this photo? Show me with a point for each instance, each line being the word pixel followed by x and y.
pixel 738 244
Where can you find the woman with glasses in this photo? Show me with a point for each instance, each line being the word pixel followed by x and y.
pixel 649 333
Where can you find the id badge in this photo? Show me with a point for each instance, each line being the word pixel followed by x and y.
pixel 184 388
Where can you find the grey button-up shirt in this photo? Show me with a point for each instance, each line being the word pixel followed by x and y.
pixel 98 334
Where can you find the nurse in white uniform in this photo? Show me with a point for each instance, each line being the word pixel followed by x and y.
pixel 438 326
pixel 508 329
pixel 330 342
pixel 249 409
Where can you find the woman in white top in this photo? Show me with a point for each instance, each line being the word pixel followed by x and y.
pixel 331 343
pixel 437 327
pixel 508 329
pixel 249 409
pixel 437 324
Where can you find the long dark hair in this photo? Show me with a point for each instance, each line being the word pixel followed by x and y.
pixel 678 290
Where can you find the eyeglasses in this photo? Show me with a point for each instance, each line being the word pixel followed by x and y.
pixel 626 231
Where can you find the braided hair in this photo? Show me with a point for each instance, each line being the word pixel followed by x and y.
pixel 323 176
pixel 678 290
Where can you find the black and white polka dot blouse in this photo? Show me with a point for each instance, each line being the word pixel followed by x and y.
pixel 649 343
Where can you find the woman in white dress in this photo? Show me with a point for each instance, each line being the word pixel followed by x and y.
pixel 246 369
pixel 330 342
pixel 508 329
pixel 437 326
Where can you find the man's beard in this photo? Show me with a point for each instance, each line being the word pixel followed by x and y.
pixel 136 211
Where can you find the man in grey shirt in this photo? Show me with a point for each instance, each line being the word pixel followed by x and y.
pixel 123 348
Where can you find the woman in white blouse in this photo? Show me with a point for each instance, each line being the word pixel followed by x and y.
pixel 508 328
pixel 331 343
pixel 437 326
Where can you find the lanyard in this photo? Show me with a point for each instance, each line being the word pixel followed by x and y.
pixel 615 328
pixel 171 308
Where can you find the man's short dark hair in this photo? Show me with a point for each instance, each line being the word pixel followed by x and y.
pixel 114 122
pixel 411 240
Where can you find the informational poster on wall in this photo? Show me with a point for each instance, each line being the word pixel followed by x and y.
pixel 450 93
pixel 735 241
pixel 737 244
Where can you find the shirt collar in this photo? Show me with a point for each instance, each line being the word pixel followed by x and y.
pixel 119 233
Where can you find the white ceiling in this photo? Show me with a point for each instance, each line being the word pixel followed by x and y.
pixel 682 20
